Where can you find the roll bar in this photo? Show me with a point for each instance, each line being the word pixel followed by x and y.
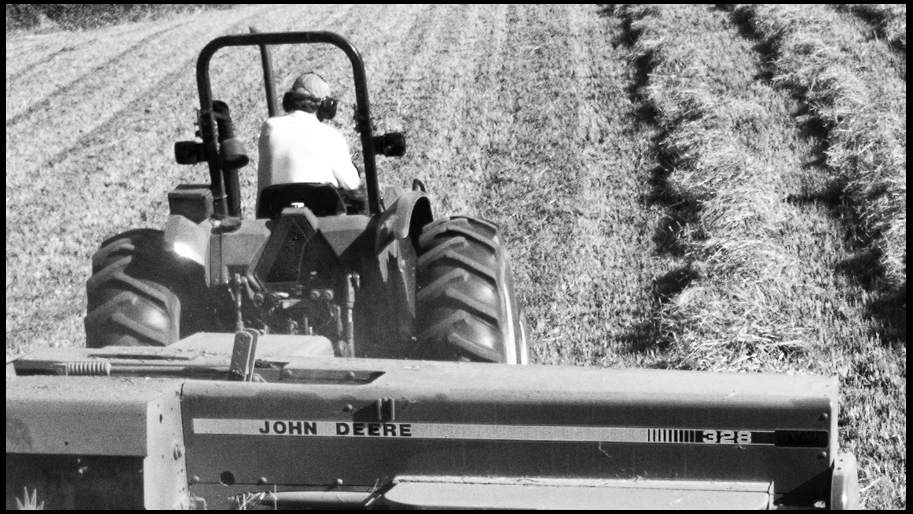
pixel 223 197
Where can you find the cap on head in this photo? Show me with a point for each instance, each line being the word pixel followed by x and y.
pixel 312 85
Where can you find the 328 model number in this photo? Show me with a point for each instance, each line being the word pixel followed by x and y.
pixel 727 436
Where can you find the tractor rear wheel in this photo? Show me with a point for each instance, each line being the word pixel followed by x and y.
pixel 467 309
pixel 138 291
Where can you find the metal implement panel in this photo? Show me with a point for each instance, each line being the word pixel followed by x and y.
pixel 80 415
pixel 490 420
pixel 202 355
pixel 164 471
pixel 269 347
pixel 844 483
pixel 96 442
pixel 469 493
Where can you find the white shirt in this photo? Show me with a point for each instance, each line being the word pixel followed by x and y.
pixel 299 148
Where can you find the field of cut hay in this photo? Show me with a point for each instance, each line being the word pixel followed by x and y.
pixel 781 136
pixel 694 187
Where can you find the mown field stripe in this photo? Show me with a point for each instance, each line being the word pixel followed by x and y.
pixel 99 95
pixel 531 184
pixel 71 82
pixel 26 51
pixel 617 262
pixel 552 185
pixel 426 98
pixel 62 70
pixel 479 117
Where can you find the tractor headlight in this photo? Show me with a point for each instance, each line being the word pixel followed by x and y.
pixel 187 251
pixel 187 239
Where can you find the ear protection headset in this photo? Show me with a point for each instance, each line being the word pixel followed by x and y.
pixel 326 110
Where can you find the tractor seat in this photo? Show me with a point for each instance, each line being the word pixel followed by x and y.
pixel 322 199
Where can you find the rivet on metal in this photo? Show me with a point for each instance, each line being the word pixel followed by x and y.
pixel 262 481
pixel 822 455
pixel 348 408
pixel 823 417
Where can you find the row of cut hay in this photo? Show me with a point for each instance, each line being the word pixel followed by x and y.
pixel 889 20
pixel 867 159
pixel 732 315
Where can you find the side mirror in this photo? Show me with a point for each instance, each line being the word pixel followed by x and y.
pixel 391 145
pixel 189 152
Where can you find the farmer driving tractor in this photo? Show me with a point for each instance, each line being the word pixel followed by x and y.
pixel 298 147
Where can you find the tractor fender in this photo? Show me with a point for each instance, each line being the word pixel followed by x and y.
pixel 405 218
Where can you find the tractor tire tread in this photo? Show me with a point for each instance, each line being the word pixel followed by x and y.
pixel 462 276
pixel 110 315
pixel 443 332
pixel 451 250
pixel 116 274
pixel 448 287
pixel 462 226
pixel 120 246
pixel 131 294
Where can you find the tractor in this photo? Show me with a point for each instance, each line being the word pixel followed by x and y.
pixel 340 353
pixel 378 281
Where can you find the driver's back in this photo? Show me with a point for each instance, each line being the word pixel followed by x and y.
pixel 298 148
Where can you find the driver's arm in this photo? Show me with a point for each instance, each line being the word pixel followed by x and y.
pixel 343 169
